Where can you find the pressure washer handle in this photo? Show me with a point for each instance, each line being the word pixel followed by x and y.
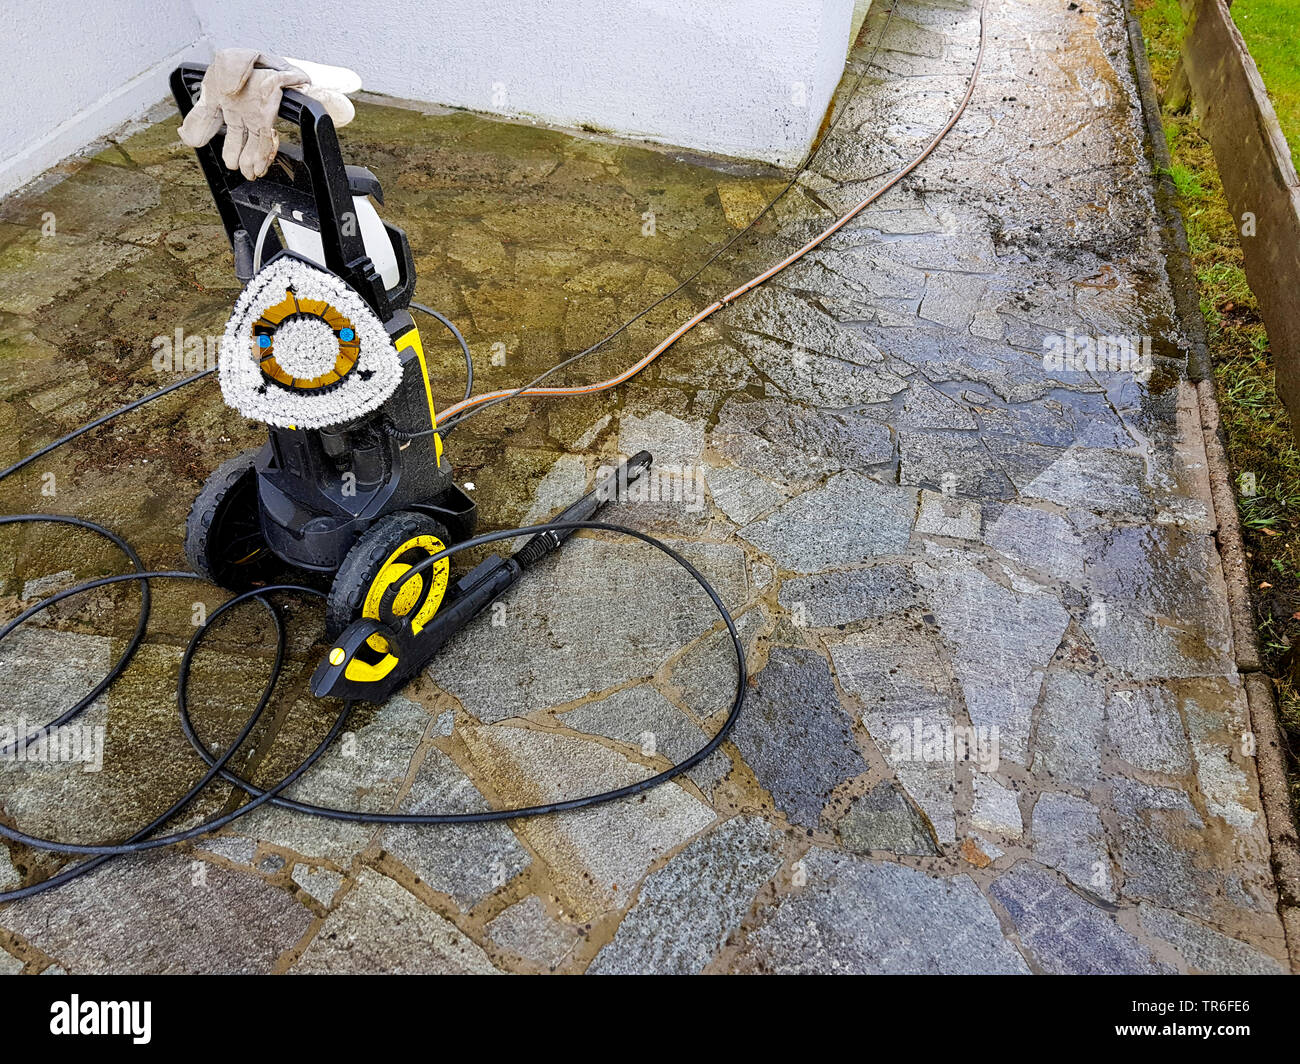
pixel 613 485
pixel 311 182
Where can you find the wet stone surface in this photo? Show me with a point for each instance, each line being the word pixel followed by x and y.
pixel 992 717
pixel 1068 836
pixel 183 918
pixel 883 820
pixel 465 861
pixel 854 916
pixel 704 893
pixel 527 929
pixel 850 520
pixel 1063 932
pixel 380 927
pixel 795 737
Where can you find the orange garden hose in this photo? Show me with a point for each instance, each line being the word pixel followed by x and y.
pixel 752 283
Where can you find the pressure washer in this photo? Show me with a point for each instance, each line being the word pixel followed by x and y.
pixel 352 483
pixel 353 493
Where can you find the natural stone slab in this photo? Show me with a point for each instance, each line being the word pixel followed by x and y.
pixel 811 357
pixel 996 809
pixel 466 861
pixel 1146 730
pixel 706 673
pixel 1001 641
pixel 944 516
pixel 380 928
pixel 1205 949
pixel 783 316
pixel 686 910
pixel 858 916
pixel 956 463
pixel 1170 858
pixel 8 874
pixel 795 445
pixel 1159 570
pixel 952 299
pixel 794 735
pixel 743 495
pixel 670 439
pixel 236 848
pixel 526 928
pixel 825 599
pixel 1093 479
pixel 40 586
pixel 898 671
pixel 808 377
pixel 1038 539
pixel 641 717
pixel 883 819
pixel 849 521
pixel 596 615
pixel 596 855
pixel 162 913
pixel 1146 648
pixel 1064 419
pixel 56 265
pixel 942 356
pixel 566 481
pixel 1216 722
pixel 1071 726
pixel 320 883
pixel 50 671
pixel 366 770
pixel 1064 933
pixel 1068 836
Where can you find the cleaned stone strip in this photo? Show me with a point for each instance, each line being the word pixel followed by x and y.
pixel 1270 765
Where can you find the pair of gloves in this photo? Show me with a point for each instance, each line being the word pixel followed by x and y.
pixel 241 90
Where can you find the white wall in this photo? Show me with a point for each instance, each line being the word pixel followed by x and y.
pixel 77 69
pixel 717 75
pixel 749 78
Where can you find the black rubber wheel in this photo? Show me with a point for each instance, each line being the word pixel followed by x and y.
pixel 223 535
pixel 385 550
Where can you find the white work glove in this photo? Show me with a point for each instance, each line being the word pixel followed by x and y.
pixel 242 89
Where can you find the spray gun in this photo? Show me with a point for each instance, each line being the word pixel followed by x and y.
pixel 374 657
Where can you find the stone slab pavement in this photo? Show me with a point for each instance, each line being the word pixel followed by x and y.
pixel 948 474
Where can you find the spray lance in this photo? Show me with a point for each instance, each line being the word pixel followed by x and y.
pixel 375 656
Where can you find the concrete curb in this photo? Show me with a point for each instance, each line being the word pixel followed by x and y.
pixel 1269 760
pixel 1236 571
pixel 1273 787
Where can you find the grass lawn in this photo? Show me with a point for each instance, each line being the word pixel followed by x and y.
pixel 1260 443
pixel 1271 29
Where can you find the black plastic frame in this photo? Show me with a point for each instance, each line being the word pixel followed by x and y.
pixel 322 177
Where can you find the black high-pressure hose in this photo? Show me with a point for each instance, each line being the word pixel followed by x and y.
pixel 146 837
pixel 415 434
pixel 464 347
